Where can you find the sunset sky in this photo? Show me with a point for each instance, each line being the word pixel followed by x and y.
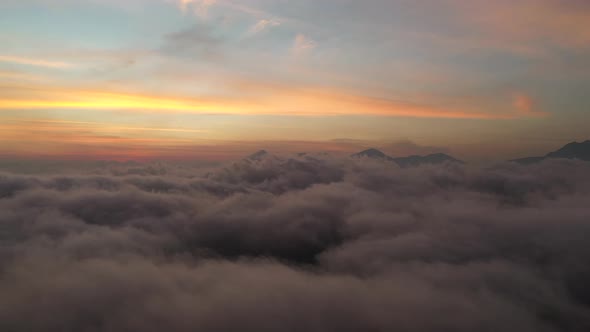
pixel 217 79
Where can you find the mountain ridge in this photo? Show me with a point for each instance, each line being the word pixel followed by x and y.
pixel 573 150
pixel 408 161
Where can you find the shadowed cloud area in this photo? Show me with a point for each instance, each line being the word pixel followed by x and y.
pixel 309 243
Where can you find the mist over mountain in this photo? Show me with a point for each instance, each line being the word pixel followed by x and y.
pixel 574 150
pixel 299 243
pixel 409 161
pixel 258 155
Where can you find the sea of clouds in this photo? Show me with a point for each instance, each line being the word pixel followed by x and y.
pixel 301 244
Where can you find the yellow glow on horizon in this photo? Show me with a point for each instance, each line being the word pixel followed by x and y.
pixel 96 100
pixel 275 101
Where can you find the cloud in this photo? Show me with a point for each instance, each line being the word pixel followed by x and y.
pixel 13 75
pixel 264 24
pixel 524 104
pixel 303 45
pixel 537 23
pixel 184 4
pixel 35 62
pixel 198 40
pixel 297 244
pixel 199 7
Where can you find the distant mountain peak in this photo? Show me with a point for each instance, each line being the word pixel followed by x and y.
pixel 573 150
pixel 370 153
pixel 258 155
pixel 435 158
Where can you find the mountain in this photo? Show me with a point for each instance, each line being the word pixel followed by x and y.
pixel 371 153
pixel 572 150
pixel 410 161
pixel 258 155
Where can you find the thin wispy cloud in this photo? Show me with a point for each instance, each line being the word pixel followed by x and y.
pixel 264 24
pixel 19 76
pixel 104 125
pixel 303 45
pixel 198 7
pixel 35 62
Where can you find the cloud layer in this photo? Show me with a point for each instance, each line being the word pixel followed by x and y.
pixel 302 244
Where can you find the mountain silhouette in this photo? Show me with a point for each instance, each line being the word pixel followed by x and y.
pixel 371 153
pixel 410 161
pixel 572 150
pixel 258 156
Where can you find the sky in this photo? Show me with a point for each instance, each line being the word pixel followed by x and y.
pixel 218 79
